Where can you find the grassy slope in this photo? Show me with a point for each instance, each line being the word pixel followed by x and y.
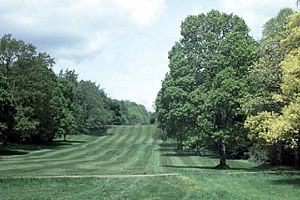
pixel 132 150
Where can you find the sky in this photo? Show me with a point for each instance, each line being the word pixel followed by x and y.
pixel 122 45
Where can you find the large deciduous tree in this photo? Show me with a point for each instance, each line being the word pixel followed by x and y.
pixel 30 81
pixel 201 96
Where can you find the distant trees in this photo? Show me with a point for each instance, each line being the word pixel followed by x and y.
pixel 37 105
pixel 220 76
pixel 126 112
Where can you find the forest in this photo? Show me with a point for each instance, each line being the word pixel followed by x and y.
pixel 37 105
pixel 227 91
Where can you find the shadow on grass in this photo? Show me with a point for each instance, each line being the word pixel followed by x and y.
pixel 190 153
pixel 175 154
pixel 22 149
pixel 56 144
pixel 268 170
pixel 99 132
pixel 289 181
pixel 167 147
pixel 74 141
pixel 207 167
pixel 169 150
pixel 7 152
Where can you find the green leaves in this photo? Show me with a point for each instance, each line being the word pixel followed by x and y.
pixel 7 109
pixel 201 96
pixel 38 105
pixel 283 125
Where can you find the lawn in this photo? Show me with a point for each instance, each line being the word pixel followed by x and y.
pixel 129 163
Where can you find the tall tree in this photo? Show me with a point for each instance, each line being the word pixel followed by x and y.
pixel 266 72
pixel 201 96
pixel 63 103
pixel 31 80
pixel 266 75
pixel 283 125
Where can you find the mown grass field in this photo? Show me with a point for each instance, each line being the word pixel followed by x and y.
pixel 105 167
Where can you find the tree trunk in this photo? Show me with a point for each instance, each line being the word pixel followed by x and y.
pixel 222 151
pixel 276 154
pixel 5 141
pixel 296 153
pixel 279 153
pixel 297 161
pixel 65 137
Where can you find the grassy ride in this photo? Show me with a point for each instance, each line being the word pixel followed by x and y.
pixel 128 163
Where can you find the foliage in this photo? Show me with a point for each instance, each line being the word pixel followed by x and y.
pixel 31 81
pixel 93 101
pixel 37 105
pixel 7 110
pixel 283 126
pixel 63 105
pixel 127 112
pixel 266 73
pixel 201 96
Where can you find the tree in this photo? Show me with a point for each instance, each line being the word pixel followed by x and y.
pixel 201 97
pixel 38 105
pixel 283 125
pixel 119 112
pixel 63 106
pixel 34 81
pixel 7 111
pixel 266 75
pixel 266 72
pixel 95 114
pixel 135 113
pixel 31 81
pixel 9 53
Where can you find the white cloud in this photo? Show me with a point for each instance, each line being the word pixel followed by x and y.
pixel 255 12
pixel 84 24
pixel 85 49
pixel 143 12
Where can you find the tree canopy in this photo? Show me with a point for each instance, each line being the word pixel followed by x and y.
pixel 201 96
pixel 225 89
pixel 38 105
pixel 282 126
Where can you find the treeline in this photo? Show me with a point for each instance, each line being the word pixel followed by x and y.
pixel 227 90
pixel 38 105
pixel 129 113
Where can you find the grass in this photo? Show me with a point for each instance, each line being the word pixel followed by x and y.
pixel 95 167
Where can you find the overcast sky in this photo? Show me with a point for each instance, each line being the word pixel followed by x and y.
pixel 120 44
